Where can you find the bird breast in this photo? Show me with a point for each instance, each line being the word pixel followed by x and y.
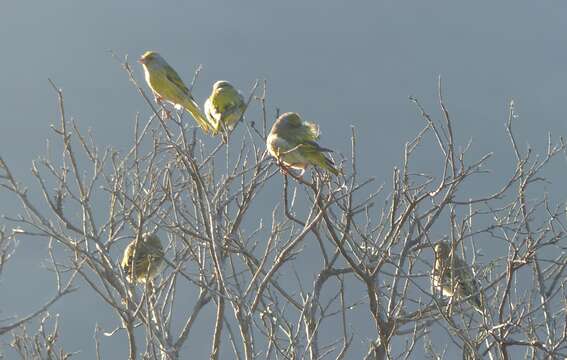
pixel 276 144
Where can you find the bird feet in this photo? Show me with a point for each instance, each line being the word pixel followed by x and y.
pixel 287 170
pixel 166 113
pixel 284 169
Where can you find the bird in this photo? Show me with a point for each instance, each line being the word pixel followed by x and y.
pixel 143 260
pixel 166 85
pixel 454 277
pixel 292 142
pixel 224 107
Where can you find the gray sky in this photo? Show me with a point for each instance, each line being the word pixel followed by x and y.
pixel 336 62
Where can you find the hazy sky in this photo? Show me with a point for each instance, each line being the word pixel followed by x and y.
pixel 339 63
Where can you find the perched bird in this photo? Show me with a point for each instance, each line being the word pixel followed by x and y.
pixel 143 262
pixel 292 143
pixel 224 107
pixel 167 85
pixel 453 277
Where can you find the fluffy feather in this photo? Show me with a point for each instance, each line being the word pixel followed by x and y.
pixel 292 141
pixel 453 276
pixel 224 107
pixel 143 260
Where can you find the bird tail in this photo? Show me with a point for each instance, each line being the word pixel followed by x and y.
pixel 192 108
pixel 314 152
pixel 328 165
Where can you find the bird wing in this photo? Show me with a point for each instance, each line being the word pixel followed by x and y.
pixel 141 262
pixel 316 147
pixel 298 135
pixel 467 281
pixel 172 76
pixel 311 151
pixel 228 101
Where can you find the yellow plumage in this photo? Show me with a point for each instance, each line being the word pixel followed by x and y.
pixel 143 260
pixel 224 107
pixel 167 85
pixel 292 142
pixel 453 276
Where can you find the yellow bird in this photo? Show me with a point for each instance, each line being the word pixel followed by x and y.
pixel 225 107
pixel 143 262
pixel 292 142
pixel 453 276
pixel 167 85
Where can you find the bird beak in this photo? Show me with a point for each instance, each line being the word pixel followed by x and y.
pixel 141 60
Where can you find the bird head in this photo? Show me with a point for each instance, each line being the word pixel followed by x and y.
pixel 151 58
pixel 290 119
pixel 222 84
pixel 152 240
pixel 442 249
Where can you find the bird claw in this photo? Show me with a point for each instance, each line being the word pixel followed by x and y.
pixel 159 100
pixel 284 169
pixel 287 170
